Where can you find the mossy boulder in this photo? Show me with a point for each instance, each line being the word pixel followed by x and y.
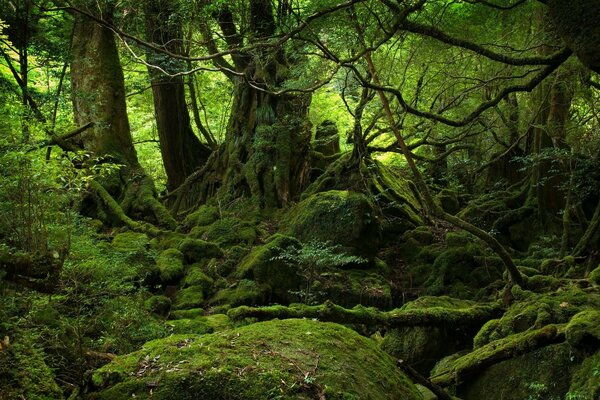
pixel 422 347
pixel 160 305
pixel 263 266
pixel 170 264
pixel 244 292
pixel 289 359
pixel 133 242
pixel 195 276
pixel 228 231
pixel 533 311
pixel 195 250
pixel 200 325
pixel 349 288
pixel 541 374
pixel 344 218
pixel 190 297
pixel 583 329
pixel 585 383
pixel 23 372
pixel 594 276
pixel 203 216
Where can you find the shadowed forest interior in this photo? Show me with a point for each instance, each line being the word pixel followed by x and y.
pixel 300 199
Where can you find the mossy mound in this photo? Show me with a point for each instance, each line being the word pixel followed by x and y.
pixel 422 347
pixel 244 292
pixel 344 218
pixel 195 250
pixel 263 266
pixel 200 325
pixel 160 305
pixel 195 276
pixel 290 359
pixel 594 276
pixel 190 297
pixel 170 264
pixel 533 311
pixel 133 242
pixel 349 288
pixel 227 232
pixel 583 329
pixel 203 216
pixel 541 374
pixel 585 384
pixel 24 374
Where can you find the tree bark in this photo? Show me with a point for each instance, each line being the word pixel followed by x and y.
pixel 98 91
pixel 182 152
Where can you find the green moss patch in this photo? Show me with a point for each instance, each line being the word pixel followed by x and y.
pixel 170 264
pixel 341 217
pixel 290 359
pixel 131 242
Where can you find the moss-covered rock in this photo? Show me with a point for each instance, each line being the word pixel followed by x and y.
pixel 197 249
pixel 263 266
pixel 290 359
pixel 533 311
pixel 349 288
pixel 541 374
pixel 24 374
pixel 585 384
pixel 195 276
pixel 200 325
pixel 583 329
pixel 341 217
pixel 130 242
pixel 170 264
pixel 228 231
pixel 422 347
pixel 594 276
pixel 244 292
pixel 203 216
pixel 190 297
pixel 160 305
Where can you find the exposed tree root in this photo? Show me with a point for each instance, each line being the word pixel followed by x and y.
pixel 331 312
pixel 499 350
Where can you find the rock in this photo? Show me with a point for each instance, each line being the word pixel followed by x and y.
pixel 170 264
pixel 131 242
pixel 342 217
pixel 160 305
pixel 289 359
pixel 422 347
pixel 196 249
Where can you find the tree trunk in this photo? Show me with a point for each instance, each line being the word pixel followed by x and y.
pixel 98 91
pixel 182 152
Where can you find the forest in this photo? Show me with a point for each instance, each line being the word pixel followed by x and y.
pixel 300 199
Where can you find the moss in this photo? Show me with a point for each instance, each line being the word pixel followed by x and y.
pixel 291 359
pixel 594 276
pixel 422 234
pixel 196 277
pixel 160 305
pixel 200 325
pixel 422 347
pixel 169 240
pixel 262 266
pixel 584 329
pixel 23 372
pixel 449 201
pixel 542 374
pixel 349 288
pixel 190 297
pixel 192 313
pixel 133 242
pixel 585 384
pixel 196 249
pixel 229 231
pixel 533 311
pixel 170 263
pixel 458 239
pixel 342 217
pixel 203 216
pixel 244 292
